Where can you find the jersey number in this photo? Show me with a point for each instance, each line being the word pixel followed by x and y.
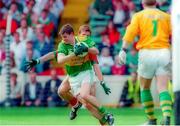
pixel 155 23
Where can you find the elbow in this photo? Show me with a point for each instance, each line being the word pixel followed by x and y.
pixel 96 51
pixel 93 51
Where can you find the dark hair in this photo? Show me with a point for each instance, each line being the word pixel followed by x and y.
pixel 67 28
pixel 149 2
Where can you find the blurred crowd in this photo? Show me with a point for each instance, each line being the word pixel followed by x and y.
pixel 33 29
pixel 108 20
pixel 33 93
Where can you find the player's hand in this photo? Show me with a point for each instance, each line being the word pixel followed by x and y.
pixel 30 64
pixel 122 56
pixel 107 90
pixel 79 48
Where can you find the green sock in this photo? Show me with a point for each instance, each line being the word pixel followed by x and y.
pixel 166 103
pixel 102 109
pixel 103 120
pixel 147 101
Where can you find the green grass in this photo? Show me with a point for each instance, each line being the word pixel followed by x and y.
pixel 60 116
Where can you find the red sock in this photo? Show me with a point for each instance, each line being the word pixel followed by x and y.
pixel 73 102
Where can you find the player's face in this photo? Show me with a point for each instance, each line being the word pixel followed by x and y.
pixel 67 37
pixel 85 33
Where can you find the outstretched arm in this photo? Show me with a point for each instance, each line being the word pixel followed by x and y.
pixel 93 50
pixel 33 62
pixel 49 56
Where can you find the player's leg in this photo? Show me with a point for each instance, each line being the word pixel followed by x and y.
pixel 146 70
pixel 97 109
pixel 64 92
pixel 147 100
pixel 94 111
pixel 165 98
pixel 162 77
pixel 102 117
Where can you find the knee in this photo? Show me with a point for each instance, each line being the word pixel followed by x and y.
pixel 61 91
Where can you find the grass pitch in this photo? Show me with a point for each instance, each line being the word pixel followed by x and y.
pixel 60 116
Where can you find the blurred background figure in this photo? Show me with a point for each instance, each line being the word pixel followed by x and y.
pixel 15 92
pixel 32 91
pixel 51 97
pixel 103 7
pixel 131 91
pixel 118 69
pixel 105 61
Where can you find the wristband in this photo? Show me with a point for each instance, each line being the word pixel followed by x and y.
pixel 38 61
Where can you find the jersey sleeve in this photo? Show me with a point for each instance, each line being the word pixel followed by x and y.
pixel 62 49
pixel 132 29
pixel 90 42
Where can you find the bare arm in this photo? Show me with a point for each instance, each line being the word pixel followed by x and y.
pixel 47 57
pixel 93 50
pixel 98 72
pixel 63 59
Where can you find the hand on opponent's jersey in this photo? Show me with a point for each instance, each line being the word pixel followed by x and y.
pixel 80 48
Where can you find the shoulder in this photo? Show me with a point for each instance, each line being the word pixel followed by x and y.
pixel 61 45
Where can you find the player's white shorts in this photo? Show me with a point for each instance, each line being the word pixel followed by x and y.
pixel 87 76
pixel 154 62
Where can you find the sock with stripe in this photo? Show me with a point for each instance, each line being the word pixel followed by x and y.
pixel 166 103
pixel 147 101
pixel 102 110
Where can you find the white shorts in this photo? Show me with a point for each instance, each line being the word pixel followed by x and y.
pixel 154 62
pixel 87 76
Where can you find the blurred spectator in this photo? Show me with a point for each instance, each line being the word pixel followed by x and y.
pixel 55 10
pixel 105 61
pixel 50 91
pixel 26 33
pixel 39 6
pixel 34 20
pixel 113 34
pixel 103 7
pixel 17 47
pixel 48 25
pixel 28 10
pixel 43 47
pixel 131 91
pixel 116 68
pixel 56 7
pixel 132 60
pixel 3 23
pixel 16 15
pixel 28 55
pixel 29 7
pixel 32 91
pixel 106 43
pixel 15 92
pixel 119 13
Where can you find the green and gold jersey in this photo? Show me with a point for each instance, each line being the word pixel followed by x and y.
pixel 76 64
